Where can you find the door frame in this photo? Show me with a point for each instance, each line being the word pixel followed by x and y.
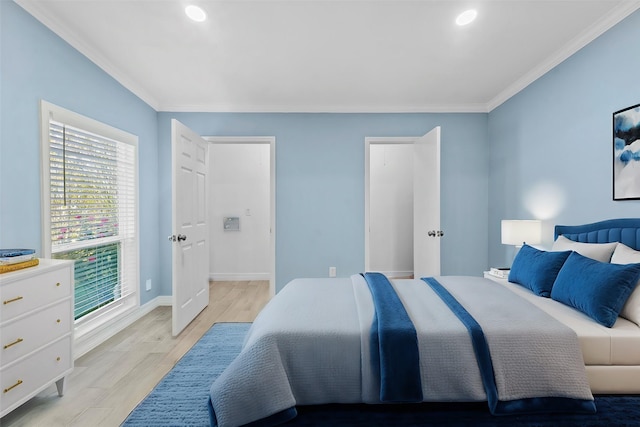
pixel 271 140
pixel 368 141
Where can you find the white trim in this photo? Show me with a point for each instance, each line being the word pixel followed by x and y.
pixel 93 329
pixel 271 140
pixel 396 274
pixel 72 246
pixel 80 121
pixel 240 139
pixel 616 15
pixel 83 343
pixel 164 300
pixel 315 108
pixel 234 277
pixel 367 184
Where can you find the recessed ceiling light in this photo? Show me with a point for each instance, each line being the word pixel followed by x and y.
pixel 466 17
pixel 195 13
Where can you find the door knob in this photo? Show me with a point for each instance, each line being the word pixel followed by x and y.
pixel 181 237
pixel 431 233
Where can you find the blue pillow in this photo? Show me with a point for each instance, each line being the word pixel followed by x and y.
pixel 537 270
pixel 598 289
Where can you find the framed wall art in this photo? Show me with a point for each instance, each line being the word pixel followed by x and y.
pixel 626 153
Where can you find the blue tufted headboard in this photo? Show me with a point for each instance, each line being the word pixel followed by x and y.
pixel 625 230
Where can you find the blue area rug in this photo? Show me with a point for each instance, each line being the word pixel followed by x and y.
pixel 180 399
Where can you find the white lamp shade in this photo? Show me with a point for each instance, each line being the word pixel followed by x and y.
pixel 516 232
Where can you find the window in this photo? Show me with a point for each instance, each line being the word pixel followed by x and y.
pixel 90 209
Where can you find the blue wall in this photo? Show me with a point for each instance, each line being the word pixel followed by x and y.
pixel 36 64
pixel 551 145
pixel 320 184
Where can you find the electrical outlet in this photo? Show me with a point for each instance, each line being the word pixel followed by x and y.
pixel 332 272
pixel 148 284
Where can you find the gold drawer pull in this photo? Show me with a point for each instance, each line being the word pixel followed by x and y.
pixel 18 341
pixel 58 284
pixel 12 300
pixel 58 321
pixel 6 390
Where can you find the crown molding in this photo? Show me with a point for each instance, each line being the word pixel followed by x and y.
pixel 231 108
pixel 35 9
pixel 616 15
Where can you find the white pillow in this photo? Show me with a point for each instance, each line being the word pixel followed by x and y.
pixel 625 255
pixel 598 251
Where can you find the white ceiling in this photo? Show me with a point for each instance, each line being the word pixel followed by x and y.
pixel 327 55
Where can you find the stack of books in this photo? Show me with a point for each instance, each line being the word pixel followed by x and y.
pixel 17 259
pixel 500 272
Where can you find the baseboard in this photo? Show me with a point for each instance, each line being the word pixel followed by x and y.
pixel 164 300
pixel 238 276
pixel 92 339
pixel 397 273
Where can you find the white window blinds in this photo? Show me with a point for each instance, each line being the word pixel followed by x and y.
pixel 93 214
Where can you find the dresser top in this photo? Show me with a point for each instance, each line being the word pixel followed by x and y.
pixel 44 265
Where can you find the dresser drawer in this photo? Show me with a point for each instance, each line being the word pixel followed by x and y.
pixel 35 372
pixel 22 336
pixel 21 296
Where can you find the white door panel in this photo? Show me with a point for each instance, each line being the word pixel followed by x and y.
pixel 190 254
pixel 426 205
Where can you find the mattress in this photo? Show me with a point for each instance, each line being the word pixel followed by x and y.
pixel 619 345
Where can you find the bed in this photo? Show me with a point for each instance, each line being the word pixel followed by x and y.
pixel 612 355
pixel 365 339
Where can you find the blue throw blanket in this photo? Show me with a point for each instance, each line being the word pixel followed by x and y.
pixel 394 344
pixel 483 357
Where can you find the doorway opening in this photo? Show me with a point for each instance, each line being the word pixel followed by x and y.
pixel 242 209
pixel 402 205
pixel 390 202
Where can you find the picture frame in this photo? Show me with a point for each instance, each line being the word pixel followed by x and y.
pixel 626 153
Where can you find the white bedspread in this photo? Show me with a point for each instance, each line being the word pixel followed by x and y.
pixel 310 345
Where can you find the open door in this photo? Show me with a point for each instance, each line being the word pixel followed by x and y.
pixel 190 253
pixel 426 205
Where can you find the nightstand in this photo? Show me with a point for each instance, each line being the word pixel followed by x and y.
pixel 496 279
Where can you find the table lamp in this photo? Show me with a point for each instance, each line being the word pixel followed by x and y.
pixel 517 232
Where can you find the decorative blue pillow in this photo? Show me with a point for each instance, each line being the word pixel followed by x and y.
pixel 537 270
pixel 598 289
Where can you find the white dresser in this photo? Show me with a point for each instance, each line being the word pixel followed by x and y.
pixel 36 331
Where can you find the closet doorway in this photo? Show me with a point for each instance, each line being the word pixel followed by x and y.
pixel 242 209
pixel 402 205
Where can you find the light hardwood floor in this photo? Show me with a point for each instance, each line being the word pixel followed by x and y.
pixel 109 381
